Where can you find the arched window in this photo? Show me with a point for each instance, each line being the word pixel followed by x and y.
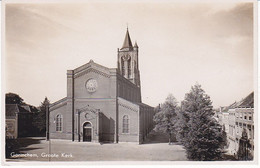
pixel 135 68
pixel 129 67
pixel 123 66
pixel 59 122
pixel 125 124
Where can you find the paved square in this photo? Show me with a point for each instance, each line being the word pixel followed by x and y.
pixel 65 150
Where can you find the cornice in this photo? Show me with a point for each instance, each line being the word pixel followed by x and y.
pixel 90 69
pixel 124 103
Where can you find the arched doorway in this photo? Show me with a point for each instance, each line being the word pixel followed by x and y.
pixel 87 132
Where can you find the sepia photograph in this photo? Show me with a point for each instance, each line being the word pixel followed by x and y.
pixel 129 81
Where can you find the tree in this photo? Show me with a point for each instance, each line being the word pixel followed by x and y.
pixel 166 118
pixel 182 125
pixel 224 137
pixel 39 120
pixel 243 152
pixel 12 98
pixel 201 135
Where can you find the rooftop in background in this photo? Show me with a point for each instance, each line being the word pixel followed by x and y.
pixel 247 102
pixel 12 109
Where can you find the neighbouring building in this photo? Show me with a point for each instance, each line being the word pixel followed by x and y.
pixel 103 104
pixel 231 135
pixel 245 120
pixel 18 120
pixel 223 118
pixel 240 117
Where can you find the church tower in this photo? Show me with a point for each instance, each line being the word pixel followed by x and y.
pixel 127 60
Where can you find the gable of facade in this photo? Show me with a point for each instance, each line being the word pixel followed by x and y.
pixel 102 77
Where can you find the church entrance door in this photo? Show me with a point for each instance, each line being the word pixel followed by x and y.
pixel 87 132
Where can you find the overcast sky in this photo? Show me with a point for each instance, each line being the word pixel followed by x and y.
pixel 179 44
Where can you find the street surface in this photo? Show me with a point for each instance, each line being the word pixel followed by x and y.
pixel 155 148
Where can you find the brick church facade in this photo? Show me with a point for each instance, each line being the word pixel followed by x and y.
pixel 103 104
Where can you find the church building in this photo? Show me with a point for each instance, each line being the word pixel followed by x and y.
pixel 103 104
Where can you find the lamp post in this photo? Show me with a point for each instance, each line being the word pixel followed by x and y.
pixel 48 127
pixel 47 122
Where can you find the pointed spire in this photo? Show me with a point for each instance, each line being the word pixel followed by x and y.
pixel 127 42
